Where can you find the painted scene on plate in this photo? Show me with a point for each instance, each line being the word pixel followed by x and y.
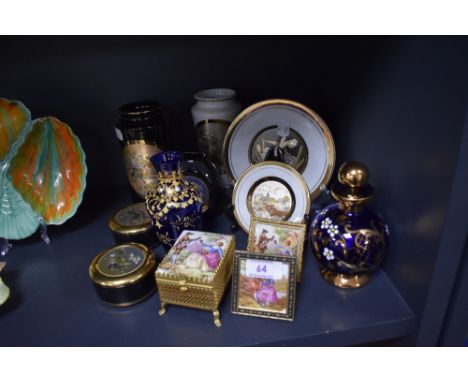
pixel 195 254
pixel 276 239
pixel 271 199
pixel 267 292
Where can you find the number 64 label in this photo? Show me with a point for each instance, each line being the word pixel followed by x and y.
pixel 264 268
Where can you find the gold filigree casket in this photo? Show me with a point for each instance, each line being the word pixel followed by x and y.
pixel 196 270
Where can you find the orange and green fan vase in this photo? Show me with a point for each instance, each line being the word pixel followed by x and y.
pixel 43 173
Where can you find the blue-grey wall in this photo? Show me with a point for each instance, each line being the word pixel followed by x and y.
pixel 406 123
pixel 82 80
pixel 455 328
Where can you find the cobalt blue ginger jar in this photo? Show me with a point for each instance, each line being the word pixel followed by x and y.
pixel 348 238
pixel 176 204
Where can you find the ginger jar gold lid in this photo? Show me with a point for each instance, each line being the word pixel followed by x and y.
pixel 352 187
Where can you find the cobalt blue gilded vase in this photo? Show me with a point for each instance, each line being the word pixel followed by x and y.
pixel 348 238
pixel 176 204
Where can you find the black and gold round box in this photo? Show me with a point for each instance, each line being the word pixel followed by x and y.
pixel 124 275
pixel 133 224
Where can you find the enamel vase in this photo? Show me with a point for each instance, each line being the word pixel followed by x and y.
pixel 175 204
pixel 348 238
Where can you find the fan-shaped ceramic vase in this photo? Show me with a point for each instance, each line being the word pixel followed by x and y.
pixel 17 219
pixel 42 173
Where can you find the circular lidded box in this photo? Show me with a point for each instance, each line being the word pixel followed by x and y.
pixel 123 275
pixel 133 224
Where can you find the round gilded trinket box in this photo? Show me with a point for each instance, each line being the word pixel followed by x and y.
pixel 124 275
pixel 133 224
pixel 349 239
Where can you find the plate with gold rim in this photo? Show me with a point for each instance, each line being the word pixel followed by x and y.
pixel 284 131
pixel 270 190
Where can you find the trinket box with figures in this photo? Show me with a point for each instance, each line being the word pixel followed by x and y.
pixel 195 271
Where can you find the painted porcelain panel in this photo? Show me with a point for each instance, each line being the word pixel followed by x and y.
pixel 195 255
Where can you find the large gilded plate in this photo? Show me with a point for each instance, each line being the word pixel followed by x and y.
pixel 270 190
pixel 285 131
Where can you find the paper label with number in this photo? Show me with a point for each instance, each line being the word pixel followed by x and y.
pixel 264 269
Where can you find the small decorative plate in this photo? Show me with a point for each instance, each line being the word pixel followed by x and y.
pixel 270 190
pixel 284 131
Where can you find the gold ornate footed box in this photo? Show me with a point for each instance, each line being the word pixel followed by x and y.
pixel 195 271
